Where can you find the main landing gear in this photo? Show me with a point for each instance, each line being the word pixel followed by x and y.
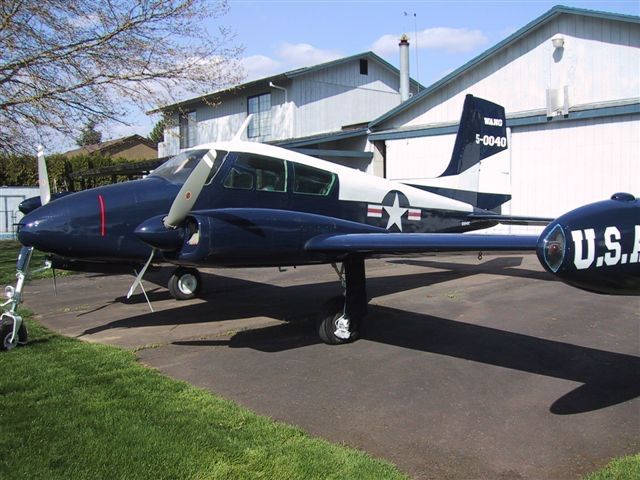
pixel 185 283
pixel 342 320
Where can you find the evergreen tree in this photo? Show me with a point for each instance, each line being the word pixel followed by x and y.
pixel 157 132
pixel 89 135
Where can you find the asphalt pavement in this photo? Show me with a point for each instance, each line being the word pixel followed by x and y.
pixel 466 369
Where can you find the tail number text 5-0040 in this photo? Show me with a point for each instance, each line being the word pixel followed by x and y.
pixel 491 141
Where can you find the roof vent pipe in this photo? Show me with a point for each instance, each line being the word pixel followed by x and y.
pixel 404 68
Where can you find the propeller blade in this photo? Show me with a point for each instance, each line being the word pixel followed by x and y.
pixel 43 177
pixel 190 191
pixel 243 128
pixel 138 279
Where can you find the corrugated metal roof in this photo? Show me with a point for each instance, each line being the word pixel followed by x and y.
pixel 541 20
pixel 286 76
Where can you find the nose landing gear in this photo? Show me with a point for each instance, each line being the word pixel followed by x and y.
pixel 13 331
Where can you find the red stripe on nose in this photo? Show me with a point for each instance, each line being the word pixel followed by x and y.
pixel 103 228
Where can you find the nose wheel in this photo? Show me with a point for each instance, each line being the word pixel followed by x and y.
pixel 7 337
pixel 185 283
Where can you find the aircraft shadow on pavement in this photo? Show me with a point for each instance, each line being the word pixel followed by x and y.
pixel 607 378
pixel 228 298
pixel 504 266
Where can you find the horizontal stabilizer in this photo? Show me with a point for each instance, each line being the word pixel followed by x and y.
pixel 483 200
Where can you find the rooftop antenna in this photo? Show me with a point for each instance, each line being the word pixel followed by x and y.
pixel 415 34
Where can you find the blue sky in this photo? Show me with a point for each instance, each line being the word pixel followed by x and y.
pixel 280 35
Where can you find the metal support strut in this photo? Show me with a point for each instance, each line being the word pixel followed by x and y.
pixel 355 305
pixel 14 294
pixel 355 298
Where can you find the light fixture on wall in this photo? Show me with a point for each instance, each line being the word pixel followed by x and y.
pixel 558 41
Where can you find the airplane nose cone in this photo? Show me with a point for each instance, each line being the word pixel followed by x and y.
pixel 44 228
pixel 551 248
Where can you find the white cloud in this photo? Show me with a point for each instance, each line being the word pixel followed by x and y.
pixel 304 55
pixel 259 66
pixel 452 40
pixel 288 56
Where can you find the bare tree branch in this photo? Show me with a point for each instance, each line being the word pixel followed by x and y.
pixel 65 63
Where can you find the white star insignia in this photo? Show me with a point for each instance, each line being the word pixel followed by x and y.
pixel 395 214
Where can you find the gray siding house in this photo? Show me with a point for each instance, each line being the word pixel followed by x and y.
pixel 324 108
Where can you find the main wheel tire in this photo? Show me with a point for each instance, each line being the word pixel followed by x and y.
pixel 327 324
pixel 185 283
pixel 5 335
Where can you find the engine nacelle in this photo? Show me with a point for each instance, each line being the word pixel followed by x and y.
pixel 239 237
pixel 596 247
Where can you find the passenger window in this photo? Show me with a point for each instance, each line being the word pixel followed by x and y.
pixel 238 179
pixel 312 181
pixel 265 174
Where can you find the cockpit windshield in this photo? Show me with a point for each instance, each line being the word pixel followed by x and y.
pixel 177 169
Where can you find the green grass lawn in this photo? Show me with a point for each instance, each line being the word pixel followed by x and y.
pixel 626 468
pixel 70 409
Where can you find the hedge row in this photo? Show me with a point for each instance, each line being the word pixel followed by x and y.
pixel 23 170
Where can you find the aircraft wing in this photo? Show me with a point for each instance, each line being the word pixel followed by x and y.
pixel 511 219
pixel 404 243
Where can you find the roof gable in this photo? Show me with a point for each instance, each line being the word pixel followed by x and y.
pixel 511 39
pixel 289 75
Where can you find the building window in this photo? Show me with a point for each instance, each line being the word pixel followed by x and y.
pixel 188 130
pixel 364 66
pixel 260 107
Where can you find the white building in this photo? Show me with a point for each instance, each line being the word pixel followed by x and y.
pixel 325 108
pixel 570 84
pixel 10 198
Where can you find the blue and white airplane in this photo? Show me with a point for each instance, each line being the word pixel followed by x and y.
pixel 246 204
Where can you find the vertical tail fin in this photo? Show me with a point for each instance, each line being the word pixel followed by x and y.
pixel 482 133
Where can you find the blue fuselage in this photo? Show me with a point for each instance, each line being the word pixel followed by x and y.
pixel 237 226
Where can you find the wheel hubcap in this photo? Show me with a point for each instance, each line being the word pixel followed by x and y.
pixel 342 325
pixel 8 344
pixel 188 284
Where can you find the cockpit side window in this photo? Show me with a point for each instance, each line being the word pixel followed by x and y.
pixel 255 171
pixel 177 169
pixel 312 181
